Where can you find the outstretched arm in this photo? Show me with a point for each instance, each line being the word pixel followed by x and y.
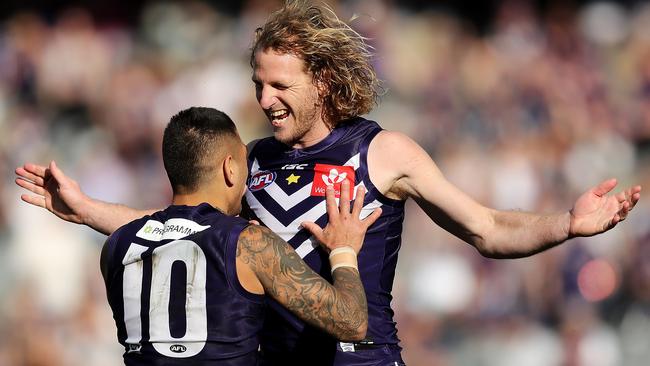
pixel 62 196
pixel 340 309
pixel 402 169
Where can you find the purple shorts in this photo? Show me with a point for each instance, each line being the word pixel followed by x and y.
pixel 347 354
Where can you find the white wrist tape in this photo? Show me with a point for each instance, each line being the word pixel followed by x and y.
pixel 343 257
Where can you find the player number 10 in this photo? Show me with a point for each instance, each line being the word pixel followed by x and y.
pixel 195 306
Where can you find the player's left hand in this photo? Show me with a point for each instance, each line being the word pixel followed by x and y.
pixel 595 211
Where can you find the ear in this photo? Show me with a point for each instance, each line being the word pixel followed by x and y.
pixel 229 171
pixel 321 82
pixel 322 87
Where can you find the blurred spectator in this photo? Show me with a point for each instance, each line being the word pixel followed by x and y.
pixel 524 116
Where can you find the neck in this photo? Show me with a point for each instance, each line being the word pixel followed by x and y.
pixel 217 201
pixel 317 133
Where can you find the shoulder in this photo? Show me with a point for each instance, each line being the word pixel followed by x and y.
pixel 256 238
pixel 394 146
pixel 265 143
pixel 125 229
pixel 251 145
pixel 259 244
pixel 394 159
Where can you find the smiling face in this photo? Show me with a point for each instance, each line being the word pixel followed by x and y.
pixel 289 98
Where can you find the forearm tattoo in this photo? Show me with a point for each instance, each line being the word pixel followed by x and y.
pixel 341 309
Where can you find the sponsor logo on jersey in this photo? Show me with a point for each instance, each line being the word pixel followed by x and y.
pixel 331 175
pixel 177 348
pixel 172 229
pixel 261 180
pixel 347 347
pixel 294 167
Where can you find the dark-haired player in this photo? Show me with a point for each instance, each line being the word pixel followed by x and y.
pixel 186 284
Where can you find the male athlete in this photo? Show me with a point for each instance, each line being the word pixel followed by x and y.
pixel 186 284
pixel 313 79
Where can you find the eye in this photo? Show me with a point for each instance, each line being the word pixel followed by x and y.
pixel 280 86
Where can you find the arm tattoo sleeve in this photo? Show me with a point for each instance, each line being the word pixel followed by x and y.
pixel 339 309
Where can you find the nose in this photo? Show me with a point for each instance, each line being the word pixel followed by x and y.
pixel 266 96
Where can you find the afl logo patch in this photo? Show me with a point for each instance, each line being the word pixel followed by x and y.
pixel 177 348
pixel 261 180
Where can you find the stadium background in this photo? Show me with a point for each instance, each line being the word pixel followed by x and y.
pixel 522 104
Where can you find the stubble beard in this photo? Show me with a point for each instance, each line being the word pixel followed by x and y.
pixel 302 124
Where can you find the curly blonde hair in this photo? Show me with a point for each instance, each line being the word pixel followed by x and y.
pixel 336 56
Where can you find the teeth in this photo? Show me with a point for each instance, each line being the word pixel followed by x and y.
pixel 278 113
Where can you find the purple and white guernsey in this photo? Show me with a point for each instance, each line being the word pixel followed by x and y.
pixel 172 284
pixel 286 187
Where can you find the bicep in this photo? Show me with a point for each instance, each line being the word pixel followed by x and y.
pixel 417 176
pixel 283 274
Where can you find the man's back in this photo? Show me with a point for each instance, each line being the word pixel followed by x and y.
pixel 172 285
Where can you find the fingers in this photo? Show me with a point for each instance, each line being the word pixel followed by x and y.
pixel 25 174
pixel 254 222
pixel 314 230
pixel 34 188
pixel 635 194
pixel 624 210
pixel 330 203
pixel 344 202
pixel 604 187
pixel 56 172
pixel 358 201
pixel 38 201
pixel 629 196
pixel 376 213
pixel 35 169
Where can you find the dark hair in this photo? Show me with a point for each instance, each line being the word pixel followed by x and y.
pixel 335 55
pixel 191 144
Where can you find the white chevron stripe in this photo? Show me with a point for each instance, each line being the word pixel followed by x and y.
pixel 285 232
pixel 310 244
pixel 289 231
pixel 367 209
pixel 354 161
pixel 288 201
pixel 307 247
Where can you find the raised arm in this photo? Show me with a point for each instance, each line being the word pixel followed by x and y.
pixel 400 168
pixel 57 193
pixel 340 309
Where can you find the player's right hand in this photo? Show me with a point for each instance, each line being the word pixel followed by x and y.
pixel 52 190
pixel 344 228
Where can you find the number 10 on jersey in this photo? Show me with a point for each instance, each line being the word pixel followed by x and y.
pixel 163 257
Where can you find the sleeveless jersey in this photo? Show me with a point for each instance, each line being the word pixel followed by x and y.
pixel 286 187
pixel 172 284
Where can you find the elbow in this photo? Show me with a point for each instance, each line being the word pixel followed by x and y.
pixel 359 334
pixel 354 334
pixel 485 248
pixel 354 328
pixel 489 251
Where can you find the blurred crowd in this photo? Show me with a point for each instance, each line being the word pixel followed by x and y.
pixel 525 115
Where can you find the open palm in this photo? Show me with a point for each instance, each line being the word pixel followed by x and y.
pixel 595 211
pixel 52 190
